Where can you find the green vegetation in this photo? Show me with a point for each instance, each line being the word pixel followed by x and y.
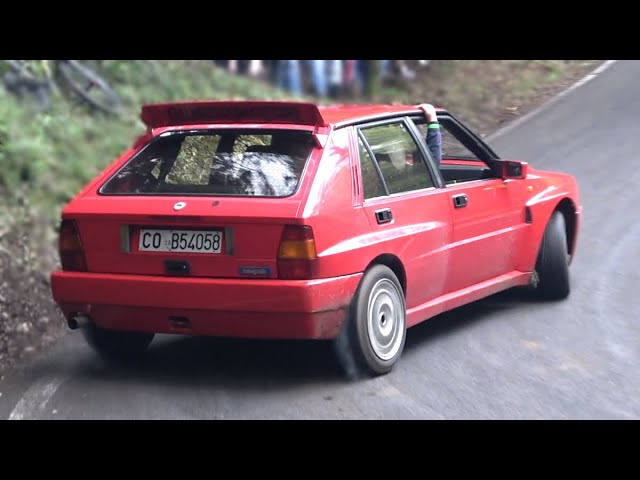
pixel 47 156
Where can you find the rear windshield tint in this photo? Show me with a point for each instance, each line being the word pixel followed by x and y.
pixel 223 162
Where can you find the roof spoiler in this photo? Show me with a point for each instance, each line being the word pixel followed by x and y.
pixel 211 112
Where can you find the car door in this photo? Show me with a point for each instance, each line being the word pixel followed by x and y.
pixel 485 217
pixel 407 208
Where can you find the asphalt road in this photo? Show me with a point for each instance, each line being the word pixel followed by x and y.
pixel 506 357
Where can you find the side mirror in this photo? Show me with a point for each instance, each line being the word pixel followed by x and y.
pixel 514 169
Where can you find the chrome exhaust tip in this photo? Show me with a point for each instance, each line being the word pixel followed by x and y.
pixel 78 321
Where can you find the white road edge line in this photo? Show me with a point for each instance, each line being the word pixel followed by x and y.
pixel 553 100
pixel 35 399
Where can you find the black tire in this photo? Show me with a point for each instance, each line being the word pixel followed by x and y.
pixel 115 345
pixel 372 338
pixel 85 84
pixel 552 265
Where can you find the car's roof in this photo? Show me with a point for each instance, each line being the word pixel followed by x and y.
pixel 337 114
pixel 263 111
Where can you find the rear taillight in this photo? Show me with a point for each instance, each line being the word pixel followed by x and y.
pixel 70 247
pixel 297 253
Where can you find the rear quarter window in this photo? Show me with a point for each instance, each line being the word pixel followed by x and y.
pixel 229 162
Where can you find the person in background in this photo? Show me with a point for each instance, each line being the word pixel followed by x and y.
pixel 318 74
pixel 351 84
pixel 335 78
pixel 254 68
pixel 329 77
pixel 363 70
pixel 222 63
pixel 271 70
pixel 289 76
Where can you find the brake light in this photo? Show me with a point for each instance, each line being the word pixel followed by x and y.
pixel 70 247
pixel 297 253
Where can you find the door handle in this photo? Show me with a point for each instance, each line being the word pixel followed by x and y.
pixel 384 216
pixel 460 200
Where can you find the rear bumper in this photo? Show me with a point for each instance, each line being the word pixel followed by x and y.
pixel 313 309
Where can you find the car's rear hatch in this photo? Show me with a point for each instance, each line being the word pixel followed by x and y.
pixel 198 199
pixel 208 237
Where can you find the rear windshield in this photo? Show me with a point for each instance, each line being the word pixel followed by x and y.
pixel 222 162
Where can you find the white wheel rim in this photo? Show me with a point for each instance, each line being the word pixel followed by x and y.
pixel 385 319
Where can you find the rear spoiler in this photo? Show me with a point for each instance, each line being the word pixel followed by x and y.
pixel 211 112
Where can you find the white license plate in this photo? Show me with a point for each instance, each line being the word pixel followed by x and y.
pixel 190 241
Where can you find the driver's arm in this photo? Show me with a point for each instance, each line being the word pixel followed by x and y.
pixel 434 136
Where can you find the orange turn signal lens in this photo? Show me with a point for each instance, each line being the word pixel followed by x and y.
pixel 297 250
pixel 297 253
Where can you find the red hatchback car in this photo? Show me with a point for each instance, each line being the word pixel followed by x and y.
pixel 263 219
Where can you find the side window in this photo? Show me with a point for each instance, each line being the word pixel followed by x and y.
pixel 452 148
pixel 371 183
pixel 399 158
pixel 459 164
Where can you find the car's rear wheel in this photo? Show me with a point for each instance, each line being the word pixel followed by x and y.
pixel 552 265
pixel 372 339
pixel 116 345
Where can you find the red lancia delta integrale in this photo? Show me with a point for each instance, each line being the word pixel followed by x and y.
pixel 286 220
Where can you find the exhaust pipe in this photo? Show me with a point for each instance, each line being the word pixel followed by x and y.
pixel 78 321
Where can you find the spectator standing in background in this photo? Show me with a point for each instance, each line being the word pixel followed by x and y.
pixel 318 74
pixel 289 76
pixel 349 78
pixel 335 78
